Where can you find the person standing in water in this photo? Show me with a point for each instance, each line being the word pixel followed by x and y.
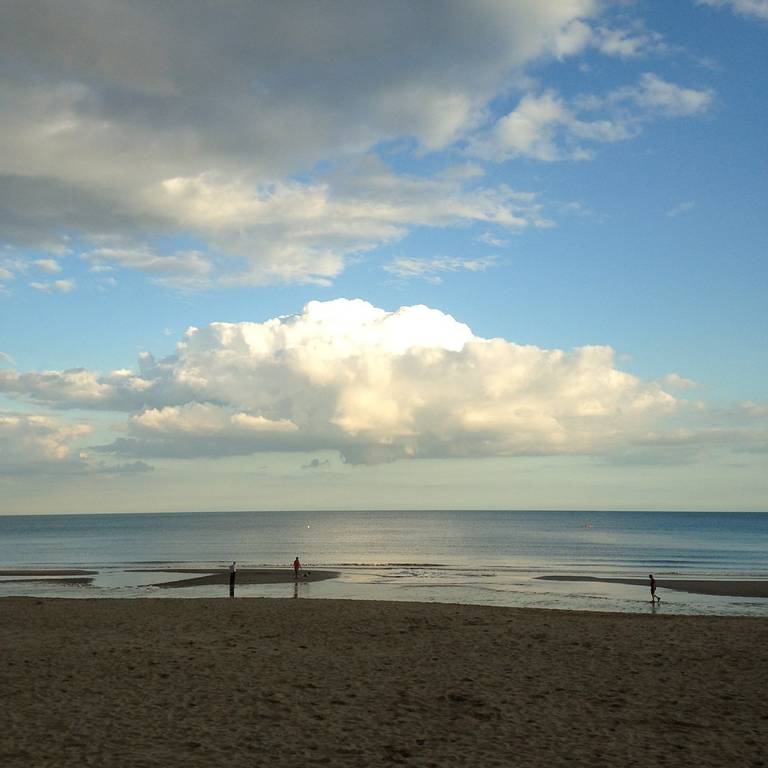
pixel 232 576
pixel 296 567
pixel 653 589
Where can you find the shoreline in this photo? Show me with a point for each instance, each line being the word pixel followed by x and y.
pixel 195 577
pixel 714 587
pixel 216 681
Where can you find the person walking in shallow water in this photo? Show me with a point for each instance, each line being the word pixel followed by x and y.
pixel 232 576
pixel 654 596
pixel 296 567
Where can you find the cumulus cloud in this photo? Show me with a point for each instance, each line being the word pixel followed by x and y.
pixel 36 443
pixel 80 388
pixel 374 385
pixel 39 444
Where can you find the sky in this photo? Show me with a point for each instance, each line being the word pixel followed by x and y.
pixel 331 254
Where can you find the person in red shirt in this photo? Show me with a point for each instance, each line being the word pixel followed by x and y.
pixel 296 566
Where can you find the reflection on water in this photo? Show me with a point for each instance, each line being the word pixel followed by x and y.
pixel 481 557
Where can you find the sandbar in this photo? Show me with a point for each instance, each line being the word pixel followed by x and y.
pixel 46 572
pixel 719 587
pixel 286 683
pixel 244 576
pixel 70 580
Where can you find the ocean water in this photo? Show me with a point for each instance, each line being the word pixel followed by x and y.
pixel 483 557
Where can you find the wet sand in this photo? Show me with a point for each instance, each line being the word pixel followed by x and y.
pixel 279 683
pixel 244 576
pixel 46 572
pixel 720 587
pixel 70 580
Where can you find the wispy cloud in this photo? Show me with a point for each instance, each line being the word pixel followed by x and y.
pixel 431 269
pixel 47 265
pixel 55 286
pixel 544 127
pixel 758 8
pixel 681 208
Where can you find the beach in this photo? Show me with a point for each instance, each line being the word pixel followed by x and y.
pixel 260 682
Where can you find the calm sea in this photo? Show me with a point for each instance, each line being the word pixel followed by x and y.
pixel 488 557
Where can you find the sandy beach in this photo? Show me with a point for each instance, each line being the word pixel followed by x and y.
pixel 262 682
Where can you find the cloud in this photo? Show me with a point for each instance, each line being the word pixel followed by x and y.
pixel 681 208
pixel 490 239
pixel 120 390
pixel 624 43
pixel 38 443
pixel 430 269
pixel 57 286
pixel 305 231
pixel 47 265
pixel 179 269
pixel 754 410
pixel 543 127
pixel 41 445
pixel 657 96
pixel 146 121
pixel 371 384
pixel 675 381
pixel 758 8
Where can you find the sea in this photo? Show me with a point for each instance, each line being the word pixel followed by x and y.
pixel 473 557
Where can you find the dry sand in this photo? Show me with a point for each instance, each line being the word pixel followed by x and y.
pixel 260 682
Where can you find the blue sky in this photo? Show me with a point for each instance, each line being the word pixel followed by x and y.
pixel 485 254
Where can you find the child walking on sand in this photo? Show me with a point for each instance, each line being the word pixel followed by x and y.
pixel 296 567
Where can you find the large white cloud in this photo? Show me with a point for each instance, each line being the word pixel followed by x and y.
pixel 372 384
